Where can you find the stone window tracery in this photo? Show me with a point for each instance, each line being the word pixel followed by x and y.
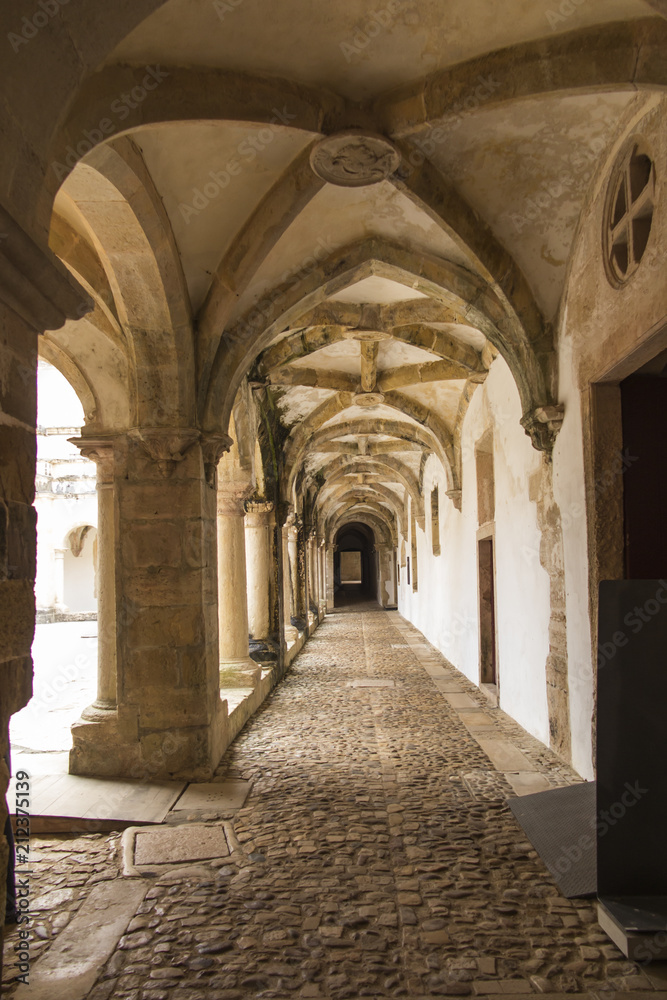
pixel 629 212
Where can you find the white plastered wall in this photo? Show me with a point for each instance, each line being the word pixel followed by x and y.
pixel 569 494
pixel 445 606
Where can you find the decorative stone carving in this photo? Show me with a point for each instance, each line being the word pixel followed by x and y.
pixel 166 446
pixel 368 399
pixel 363 335
pixel 354 158
pixel 77 539
pixel 232 498
pixel 34 283
pixel 455 497
pixel 213 447
pixel 542 425
pixel 259 506
pixel 283 511
pixel 98 450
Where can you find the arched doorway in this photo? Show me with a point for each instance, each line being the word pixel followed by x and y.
pixel 355 570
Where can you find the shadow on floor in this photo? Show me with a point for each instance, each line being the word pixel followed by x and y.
pixel 354 597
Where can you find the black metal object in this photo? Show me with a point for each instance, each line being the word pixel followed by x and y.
pixel 560 824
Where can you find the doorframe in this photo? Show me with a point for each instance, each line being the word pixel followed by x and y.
pixel 603 462
pixel 488 533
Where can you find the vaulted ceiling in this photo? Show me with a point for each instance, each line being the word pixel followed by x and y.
pixel 366 287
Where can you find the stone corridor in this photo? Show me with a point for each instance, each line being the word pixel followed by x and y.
pixel 377 854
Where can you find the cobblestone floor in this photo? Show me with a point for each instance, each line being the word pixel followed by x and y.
pixel 369 866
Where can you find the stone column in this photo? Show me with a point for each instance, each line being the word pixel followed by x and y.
pixel 101 452
pixel 59 578
pixel 170 722
pixel 330 578
pixel 293 557
pixel 321 597
pixel 259 528
pixel 259 521
pixel 311 577
pixel 288 539
pixel 236 667
pixel 387 575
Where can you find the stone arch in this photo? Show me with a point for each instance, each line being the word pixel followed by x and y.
pixel 146 280
pixel 442 281
pixel 304 437
pixel 389 467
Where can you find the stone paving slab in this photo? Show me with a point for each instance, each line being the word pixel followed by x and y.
pixel 221 796
pixel 69 969
pixel 174 845
pixel 527 782
pixel 458 699
pixel 474 719
pixel 504 755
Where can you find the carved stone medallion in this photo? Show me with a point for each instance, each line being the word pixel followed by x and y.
pixel 354 159
pixel 368 399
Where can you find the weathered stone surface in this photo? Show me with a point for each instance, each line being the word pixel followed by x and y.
pixel 313 893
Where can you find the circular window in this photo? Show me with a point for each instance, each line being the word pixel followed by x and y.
pixel 629 212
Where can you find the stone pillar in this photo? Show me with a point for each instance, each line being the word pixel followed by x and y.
pixel 302 575
pixel 259 521
pixel 101 452
pixel 170 721
pixel 321 577
pixel 288 538
pixel 293 557
pixel 59 578
pixel 311 578
pixel 386 575
pixel 330 578
pixel 236 667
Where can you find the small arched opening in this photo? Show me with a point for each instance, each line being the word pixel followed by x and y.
pixel 355 570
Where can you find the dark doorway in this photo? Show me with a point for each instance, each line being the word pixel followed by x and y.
pixel 487 613
pixel 354 565
pixel 643 410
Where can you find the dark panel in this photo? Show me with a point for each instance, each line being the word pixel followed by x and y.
pixel 644 409
pixel 632 738
pixel 487 613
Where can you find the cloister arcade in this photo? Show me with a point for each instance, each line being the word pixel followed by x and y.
pixel 314 300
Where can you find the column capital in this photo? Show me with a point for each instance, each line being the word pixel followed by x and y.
pixel 214 444
pixel 293 524
pixel 101 451
pixel 231 499
pixel 166 446
pixel 259 512
pixel 543 424
pixel 259 506
pixel 34 283
pixel 455 496
pixel 284 511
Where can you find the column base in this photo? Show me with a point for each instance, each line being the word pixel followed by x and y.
pixel 243 673
pixel 291 635
pixel 109 745
pixel 99 710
